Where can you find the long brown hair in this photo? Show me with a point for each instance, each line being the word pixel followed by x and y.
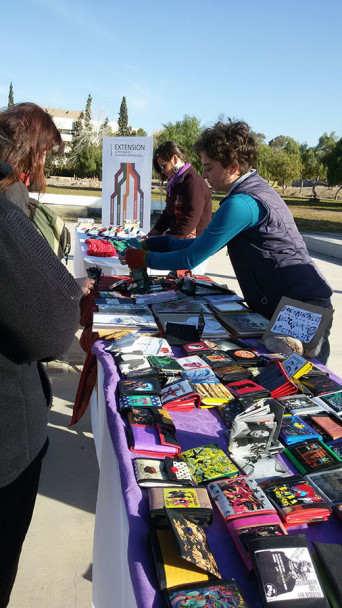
pixel 27 133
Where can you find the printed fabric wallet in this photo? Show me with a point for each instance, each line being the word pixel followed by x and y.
pixel 161 472
pixel 139 386
pixel 209 462
pixel 151 432
pixel 223 594
pixel 193 503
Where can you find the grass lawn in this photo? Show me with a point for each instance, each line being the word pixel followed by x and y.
pixel 322 216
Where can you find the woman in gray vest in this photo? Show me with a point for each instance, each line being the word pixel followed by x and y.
pixel 269 256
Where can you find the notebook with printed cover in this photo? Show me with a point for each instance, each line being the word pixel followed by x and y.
pixel 239 497
pixel 286 574
pixel 329 484
pixel 126 402
pixel 201 375
pixel 197 348
pixel 251 436
pixel 151 432
pixel 194 503
pixel 131 362
pixel 311 456
pixel 228 306
pixel 245 357
pixel 296 500
pixel 192 362
pixel 150 472
pixel 166 364
pixel 245 529
pixel 296 366
pixel 295 430
pixel 217 359
pixel 334 401
pixel 126 319
pixel 213 394
pixel 180 396
pixel 244 324
pixel 208 462
pixel 299 404
pixel 225 594
pixel 184 306
pixel 225 344
pixel 137 386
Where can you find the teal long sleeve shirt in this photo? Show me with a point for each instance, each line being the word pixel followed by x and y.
pixel 236 213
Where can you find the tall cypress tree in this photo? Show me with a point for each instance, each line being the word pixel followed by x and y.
pixel 87 111
pixel 123 119
pixel 10 96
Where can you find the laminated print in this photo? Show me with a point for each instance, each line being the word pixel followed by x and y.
pixel 225 594
pixel 238 497
pixel 192 542
pixel 286 573
pixel 208 462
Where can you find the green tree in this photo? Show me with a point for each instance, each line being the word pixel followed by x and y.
pixel 139 133
pixel 123 129
pixel 185 132
pixel 313 160
pixel 333 162
pixel 85 156
pixel 10 96
pixel 280 160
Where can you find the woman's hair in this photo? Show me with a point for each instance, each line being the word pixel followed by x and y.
pixel 166 151
pixel 27 133
pixel 229 143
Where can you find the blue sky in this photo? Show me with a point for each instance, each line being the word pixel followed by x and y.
pixel 274 63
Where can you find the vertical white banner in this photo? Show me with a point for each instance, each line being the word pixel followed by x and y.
pixel 126 180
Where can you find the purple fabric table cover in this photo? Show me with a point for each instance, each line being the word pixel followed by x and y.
pixel 194 428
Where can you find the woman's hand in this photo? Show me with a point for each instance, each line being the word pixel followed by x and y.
pixel 86 284
pixel 135 258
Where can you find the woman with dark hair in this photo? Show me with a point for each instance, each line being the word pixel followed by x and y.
pixel 269 256
pixel 27 135
pixel 188 200
pixel 39 314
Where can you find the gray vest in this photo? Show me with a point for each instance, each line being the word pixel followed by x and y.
pixel 271 260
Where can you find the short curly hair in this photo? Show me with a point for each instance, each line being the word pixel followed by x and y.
pixel 229 143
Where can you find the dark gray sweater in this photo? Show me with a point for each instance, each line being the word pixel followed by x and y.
pixel 39 314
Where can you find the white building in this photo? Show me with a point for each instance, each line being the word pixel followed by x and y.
pixel 65 121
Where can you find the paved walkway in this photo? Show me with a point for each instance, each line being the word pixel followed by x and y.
pixel 55 566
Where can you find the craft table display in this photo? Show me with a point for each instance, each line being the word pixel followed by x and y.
pixel 123 568
pixel 82 261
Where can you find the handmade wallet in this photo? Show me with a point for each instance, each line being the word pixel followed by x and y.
pixel 152 432
pixel 166 471
pixel 194 503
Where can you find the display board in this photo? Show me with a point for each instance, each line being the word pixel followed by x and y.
pixel 126 180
